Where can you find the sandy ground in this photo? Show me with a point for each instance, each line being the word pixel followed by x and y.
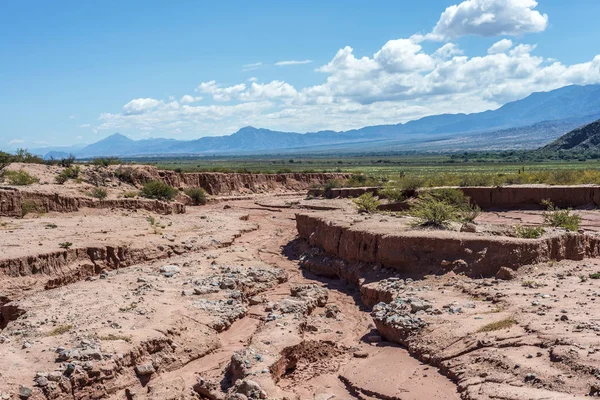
pixel 229 313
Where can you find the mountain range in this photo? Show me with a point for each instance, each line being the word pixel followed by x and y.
pixel 523 124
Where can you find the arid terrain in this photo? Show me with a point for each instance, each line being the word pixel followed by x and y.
pixel 265 293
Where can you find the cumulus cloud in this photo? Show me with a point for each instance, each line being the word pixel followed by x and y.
pixel 490 18
pixel 140 106
pixel 501 46
pixel 189 99
pixel 398 82
pixel 292 62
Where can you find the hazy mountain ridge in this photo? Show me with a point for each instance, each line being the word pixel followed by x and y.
pixel 582 139
pixel 540 117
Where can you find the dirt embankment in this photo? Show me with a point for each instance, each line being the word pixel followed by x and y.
pixel 13 201
pixel 217 183
pixel 425 252
pixel 500 196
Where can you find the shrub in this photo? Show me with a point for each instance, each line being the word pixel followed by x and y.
pixel 105 161
pixel 66 174
pixel 19 178
pixel 595 275
pixel 125 174
pixel 529 232
pixel 331 184
pixel 158 190
pixel 29 206
pixel 433 212
pixel 498 325
pixel 130 195
pixel 198 195
pixel 98 193
pixel 561 218
pixel 59 330
pixel 65 245
pixel 366 203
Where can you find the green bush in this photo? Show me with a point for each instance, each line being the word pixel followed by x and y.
pixel 366 203
pixel 198 195
pixel 19 178
pixel 529 232
pixel 66 174
pixel 158 190
pixel 105 161
pixel 28 207
pixel 561 218
pixel 98 193
pixel 331 184
pixel 455 197
pixel 130 195
pixel 125 174
pixel 434 212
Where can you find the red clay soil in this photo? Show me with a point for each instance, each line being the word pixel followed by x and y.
pixel 421 252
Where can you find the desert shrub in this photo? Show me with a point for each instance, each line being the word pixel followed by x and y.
pixel 130 195
pixel 198 195
pixel 402 187
pixel 65 245
pixel 28 207
pixel 359 180
pixel 595 275
pixel 158 190
pixel 529 232
pixel 59 330
pixel 66 174
pixel 105 161
pixel 125 174
pixel 498 325
pixel 98 193
pixel 330 184
pixel 433 212
pixel 561 218
pixel 19 178
pixel 366 203
pixel 455 197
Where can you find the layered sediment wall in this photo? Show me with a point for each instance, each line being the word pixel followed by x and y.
pixel 12 202
pixel 430 252
pixel 501 196
pixel 217 183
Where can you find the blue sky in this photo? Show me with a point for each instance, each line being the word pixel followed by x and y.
pixel 77 71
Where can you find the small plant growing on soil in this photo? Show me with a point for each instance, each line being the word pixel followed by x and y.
pixel 561 218
pixel 105 161
pixel 329 185
pixel 432 212
pixel 66 174
pixel 130 195
pixel 125 174
pixel 367 203
pixel 28 207
pixel 158 190
pixel 65 245
pixel 198 195
pixel 19 178
pixel 498 325
pixel 51 226
pixel 595 275
pixel 111 336
pixel 529 232
pixel 98 193
pixel 59 330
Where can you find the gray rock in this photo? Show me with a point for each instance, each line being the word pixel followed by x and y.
pixel 144 369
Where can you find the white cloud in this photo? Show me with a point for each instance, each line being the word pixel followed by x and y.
pixel 140 106
pixel 252 66
pixel 72 117
pixel 489 18
pixel 16 141
pixel 292 62
pixel 501 46
pixel 85 125
pixel 399 82
pixel 218 93
pixel 188 99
